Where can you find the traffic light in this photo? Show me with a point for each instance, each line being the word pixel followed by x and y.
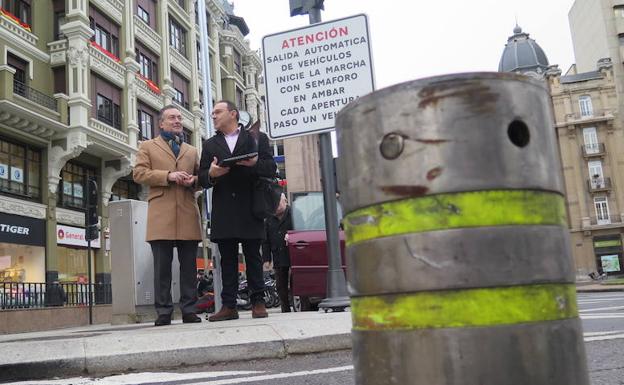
pixel 91 217
pixel 302 7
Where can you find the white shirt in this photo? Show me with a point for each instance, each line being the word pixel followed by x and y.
pixel 231 139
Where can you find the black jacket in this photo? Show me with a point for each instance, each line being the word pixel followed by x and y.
pixel 231 215
pixel 274 247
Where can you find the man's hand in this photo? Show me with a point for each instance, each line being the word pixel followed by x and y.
pixel 178 176
pixel 216 170
pixel 190 181
pixel 248 162
pixel 266 266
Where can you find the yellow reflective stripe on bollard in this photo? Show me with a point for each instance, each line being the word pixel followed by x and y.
pixel 465 308
pixel 455 210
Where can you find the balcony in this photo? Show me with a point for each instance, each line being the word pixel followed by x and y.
pixel 107 65
pixel 146 35
pixel 593 150
pixel 34 96
pixel 605 220
pixel 180 63
pixel 599 185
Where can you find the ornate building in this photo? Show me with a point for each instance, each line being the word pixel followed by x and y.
pixel 590 137
pixel 81 82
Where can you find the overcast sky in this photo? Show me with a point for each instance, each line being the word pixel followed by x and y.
pixel 412 39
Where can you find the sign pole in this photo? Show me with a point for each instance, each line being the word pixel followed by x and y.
pixel 90 279
pixel 337 296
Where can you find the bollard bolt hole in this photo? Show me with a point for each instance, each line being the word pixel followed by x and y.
pixel 392 146
pixel 518 133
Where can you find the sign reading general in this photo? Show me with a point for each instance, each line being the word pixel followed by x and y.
pixel 311 73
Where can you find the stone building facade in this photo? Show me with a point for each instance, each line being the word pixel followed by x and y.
pixel 81 82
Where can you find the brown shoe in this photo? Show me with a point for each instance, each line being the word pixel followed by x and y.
pixel 226 313
pixel 259 311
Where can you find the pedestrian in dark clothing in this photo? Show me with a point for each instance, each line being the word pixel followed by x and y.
pixel 275 249
pixel 55 295
pixel 232 221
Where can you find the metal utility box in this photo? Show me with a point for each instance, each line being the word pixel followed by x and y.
pixel 132 268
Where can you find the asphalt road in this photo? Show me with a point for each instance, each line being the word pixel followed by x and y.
pixel 603 322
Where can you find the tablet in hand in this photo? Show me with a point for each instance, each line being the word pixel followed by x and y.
pixel 229 162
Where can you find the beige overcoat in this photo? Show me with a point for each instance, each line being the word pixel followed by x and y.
pixel 172 211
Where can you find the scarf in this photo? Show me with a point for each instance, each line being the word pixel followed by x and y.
pixel 174 141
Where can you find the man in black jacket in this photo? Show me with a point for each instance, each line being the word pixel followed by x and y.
pixel 232 221
pixel 274 249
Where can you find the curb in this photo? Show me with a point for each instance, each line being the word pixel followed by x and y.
pixel 101 351
pixel 99 364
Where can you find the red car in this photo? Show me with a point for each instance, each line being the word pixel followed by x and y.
pixel 307 246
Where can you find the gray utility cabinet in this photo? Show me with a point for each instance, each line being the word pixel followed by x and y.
pixel 132 268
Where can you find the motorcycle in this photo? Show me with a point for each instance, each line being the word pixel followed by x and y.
pixel 271 299
pixel 205 295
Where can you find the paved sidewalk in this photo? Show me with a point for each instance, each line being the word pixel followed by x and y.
pixel 100 349
pixel 596 287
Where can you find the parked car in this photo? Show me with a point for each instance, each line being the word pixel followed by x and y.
pixel 307 245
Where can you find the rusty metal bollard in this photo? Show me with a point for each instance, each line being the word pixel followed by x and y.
pixel 457 243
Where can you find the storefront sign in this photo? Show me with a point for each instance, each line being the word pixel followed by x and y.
pixel 17 175
pixel 311 73
pixel 74 236
pixel 608 243
pixel 22 230
pixel 4 171
pixel 610 263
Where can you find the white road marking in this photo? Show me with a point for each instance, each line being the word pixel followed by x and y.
pixel 605 337
pixel 603 308
pixel 189 378
pixel 278 375
pixel 593 334
pixel 602 316
pixel 138 378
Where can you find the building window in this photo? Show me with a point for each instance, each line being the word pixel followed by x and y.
pixel 59 20
pixel 143 14
pixel 148 64
pixel 180 89
pixel 146 124
pixel 177 37
pixel 20 170
pixel 125 188
pixel 602 210
pixel 188 136
pixel 18 8
pixel 72 188
pixel 585 104
pixel 591 140
pixel 108 112
pixel 238 62
pixel 104 38
pixel 20 66
pixel 239 99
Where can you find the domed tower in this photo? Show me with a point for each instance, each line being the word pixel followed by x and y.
pixel 522 54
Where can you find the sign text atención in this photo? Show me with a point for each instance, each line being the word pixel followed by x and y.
pixel 311 73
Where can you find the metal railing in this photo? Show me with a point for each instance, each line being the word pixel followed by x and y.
pixel 18 295
pixel 599 184
pixel 605 220
pixel 33 95
pixel 593 149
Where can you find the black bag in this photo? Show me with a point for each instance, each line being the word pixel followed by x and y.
pixel 266 197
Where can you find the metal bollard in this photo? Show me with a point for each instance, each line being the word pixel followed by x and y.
pixel 457 243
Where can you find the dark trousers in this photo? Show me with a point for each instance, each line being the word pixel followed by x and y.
pixel 163 257
pixel 228 248
pixel 281 281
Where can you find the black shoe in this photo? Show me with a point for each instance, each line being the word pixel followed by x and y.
pixel 162 320
pixel 190 318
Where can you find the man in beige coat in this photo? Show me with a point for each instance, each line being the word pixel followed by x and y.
pixel 169 167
